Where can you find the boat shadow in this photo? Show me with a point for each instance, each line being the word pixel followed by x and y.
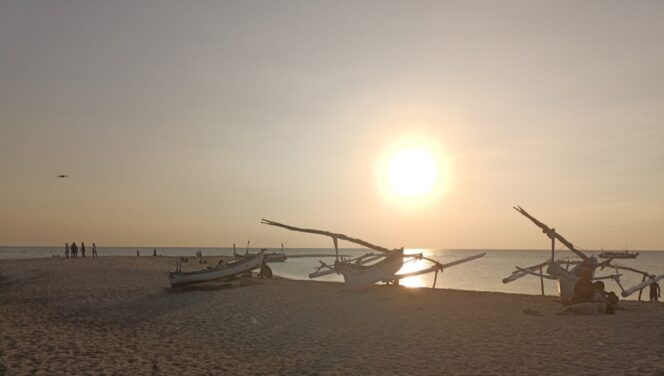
pixel 166 300
pixel 199 287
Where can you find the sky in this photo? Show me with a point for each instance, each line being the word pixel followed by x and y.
pixel 185 123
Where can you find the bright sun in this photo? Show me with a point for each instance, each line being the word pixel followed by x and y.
pixel 412 172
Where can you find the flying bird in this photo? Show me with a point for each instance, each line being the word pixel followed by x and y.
pixel 63 176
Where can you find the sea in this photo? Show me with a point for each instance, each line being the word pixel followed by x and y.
pixel 483 274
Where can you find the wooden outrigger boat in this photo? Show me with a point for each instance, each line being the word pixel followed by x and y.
pixel 274 256
pixel 225 271
pixel 269 257
pixel 566 272
pixel 371 268
pixel 618 255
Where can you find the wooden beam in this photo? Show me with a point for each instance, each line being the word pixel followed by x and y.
pixel 336 249
pixel 519 274
pixel 330 234
pixel 466 259
pixel 553 247
pixel 642 285
pixel 542 279
pixel 533 273
pixel 551 233
pixel 641 290
pixel 645 274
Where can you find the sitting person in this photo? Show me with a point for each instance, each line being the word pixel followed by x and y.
pixel 583 288
pixel 599 295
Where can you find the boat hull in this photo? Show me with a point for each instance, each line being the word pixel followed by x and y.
pixel 358 276
pixel 618 255
pixel 566 288
pixel 269 257
pixel 245 265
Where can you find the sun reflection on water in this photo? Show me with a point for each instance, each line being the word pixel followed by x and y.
pixel 415 265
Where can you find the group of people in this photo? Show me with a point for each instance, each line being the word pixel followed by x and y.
pixel 591 298
pixel 73 250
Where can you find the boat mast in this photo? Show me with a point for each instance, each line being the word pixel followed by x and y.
pixel 336 249
pixel 553 245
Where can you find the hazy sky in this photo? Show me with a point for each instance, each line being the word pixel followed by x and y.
pixel 185 122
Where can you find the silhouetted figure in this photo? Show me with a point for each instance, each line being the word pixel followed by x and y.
pixel 83 249
pixel 265 271
pixel 154 253
pixel 607 300
pixel 74 250
pixel 654 292
pixel 583 288
pixel 94 250
pixel 138 253
pixel 66 250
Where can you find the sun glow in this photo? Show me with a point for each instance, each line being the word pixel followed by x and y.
pixel 412 173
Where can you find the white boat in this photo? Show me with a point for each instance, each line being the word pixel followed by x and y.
pixel 269 257
pixel 222 271
pixel 371 268
pixel 275 257
pixel 618 255
pixel 359 275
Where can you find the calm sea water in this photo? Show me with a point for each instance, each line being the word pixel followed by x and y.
pixel 484 274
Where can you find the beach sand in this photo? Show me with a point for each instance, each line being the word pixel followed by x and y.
pixel 115 315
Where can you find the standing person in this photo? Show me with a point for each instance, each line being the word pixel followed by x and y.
pixel 83 249
pixel 138 253
pixel 654 292
pixel 154 253
pixel 74 250
pixel 94 250
pixel 66 250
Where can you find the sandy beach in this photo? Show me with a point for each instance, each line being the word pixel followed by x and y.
pixel 116 315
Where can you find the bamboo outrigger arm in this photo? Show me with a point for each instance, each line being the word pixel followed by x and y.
pixel 320 272
pixel 642 285
pixel 331 235
pixel 437 266
pixel 433 268
pixel 527 271
pixel 522 272
pixel 646 274
pixel 552 234
pixel 466 259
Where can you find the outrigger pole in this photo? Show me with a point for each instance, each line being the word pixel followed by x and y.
pixel 333 235
pixel 552 234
